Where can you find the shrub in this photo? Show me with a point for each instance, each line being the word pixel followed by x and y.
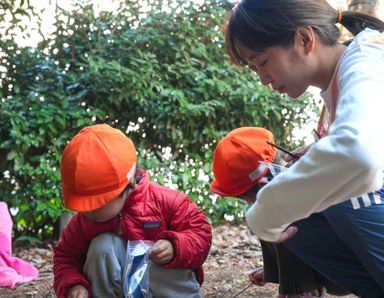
pixel 159 73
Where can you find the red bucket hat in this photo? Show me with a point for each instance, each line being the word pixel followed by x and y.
pixel 96 166
pixel 236 160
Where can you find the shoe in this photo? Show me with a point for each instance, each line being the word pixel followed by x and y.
pixel 302 295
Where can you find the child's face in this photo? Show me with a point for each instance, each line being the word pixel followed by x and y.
pixel 250 195
pixel 109 210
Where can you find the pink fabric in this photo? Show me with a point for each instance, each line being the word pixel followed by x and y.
pixel 12 270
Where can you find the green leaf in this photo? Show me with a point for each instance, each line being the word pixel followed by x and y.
pixel 11 155
pixel 30 239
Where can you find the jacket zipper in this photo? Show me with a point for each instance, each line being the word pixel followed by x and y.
pixel 119 229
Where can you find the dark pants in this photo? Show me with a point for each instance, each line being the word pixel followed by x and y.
pixel 293 275
pixel 345 245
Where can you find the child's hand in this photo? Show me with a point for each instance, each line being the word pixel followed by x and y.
pixel 256 276
pixel 77 291
pixel 162 252
pixel 298 151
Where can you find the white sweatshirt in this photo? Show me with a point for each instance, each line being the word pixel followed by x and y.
pixel 349 161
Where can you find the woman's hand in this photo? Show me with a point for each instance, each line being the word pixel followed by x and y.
pixel 256 276
pixel 288 233
pixel 77 291
pixel 163 252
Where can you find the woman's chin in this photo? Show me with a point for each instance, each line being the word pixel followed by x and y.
pixel 294 94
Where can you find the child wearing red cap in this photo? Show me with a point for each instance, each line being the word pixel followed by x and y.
pixel 117 202
pixel 243 163
pixel 317 254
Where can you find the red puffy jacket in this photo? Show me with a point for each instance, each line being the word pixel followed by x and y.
pixel 151 212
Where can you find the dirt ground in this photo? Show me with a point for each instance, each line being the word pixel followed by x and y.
pixel 234 252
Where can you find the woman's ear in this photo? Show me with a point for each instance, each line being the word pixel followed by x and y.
pixel 305 38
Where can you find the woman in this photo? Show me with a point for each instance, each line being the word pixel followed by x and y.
pixel 291 45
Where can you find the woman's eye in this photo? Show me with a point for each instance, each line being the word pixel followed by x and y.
pixel 253 67
pixel 263 63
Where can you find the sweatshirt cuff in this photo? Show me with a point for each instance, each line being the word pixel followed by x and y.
pixel 260 230
pixel 68 285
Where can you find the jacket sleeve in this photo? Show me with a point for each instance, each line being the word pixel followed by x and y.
pixel 189 231
pixel 69 257
pixel 346 163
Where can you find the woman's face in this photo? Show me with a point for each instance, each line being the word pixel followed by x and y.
pixel 285 69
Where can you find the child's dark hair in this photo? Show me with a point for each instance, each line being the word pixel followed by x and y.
pixel 258 24
pixel 136 179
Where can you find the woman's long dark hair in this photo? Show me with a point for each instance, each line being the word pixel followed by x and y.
pixel 259 24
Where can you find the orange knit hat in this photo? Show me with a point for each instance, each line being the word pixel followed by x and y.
pixel 96 166
pixel 236 159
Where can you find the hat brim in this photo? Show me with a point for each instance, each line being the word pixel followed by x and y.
pixel 217 190
pixel 215 186
pixel 86 203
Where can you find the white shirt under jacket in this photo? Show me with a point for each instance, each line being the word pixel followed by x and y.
pixel 349 161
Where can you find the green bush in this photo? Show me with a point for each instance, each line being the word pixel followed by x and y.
pixel 158 73
pixel 38 115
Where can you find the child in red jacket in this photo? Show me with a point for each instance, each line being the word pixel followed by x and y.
pixel 117 202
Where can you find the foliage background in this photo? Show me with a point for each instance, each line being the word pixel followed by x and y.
pixel 158 72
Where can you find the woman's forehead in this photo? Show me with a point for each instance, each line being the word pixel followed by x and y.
pixel 250 54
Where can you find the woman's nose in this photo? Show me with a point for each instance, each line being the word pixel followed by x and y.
pixel 265 79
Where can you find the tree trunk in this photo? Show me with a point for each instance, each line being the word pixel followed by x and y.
pixel 367 6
